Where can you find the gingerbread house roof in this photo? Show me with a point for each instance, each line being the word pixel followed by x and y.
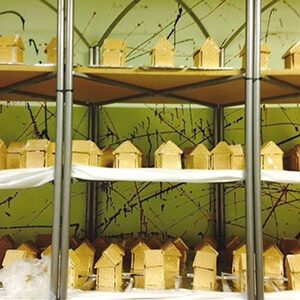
pixel 43 240
pixel 168 148
pixel 233 243
pixel 208 45
pixel 114 44
pixel 240 249
pixel 127 147
pixel 85 147
pixel 270 148
pixel 101 242
pixel 52 44
pixel 272 250
pixel 7 242
pixel 73 258
pixel 139 247
pixel 198 149
pixel 204 246
pixel 112 256
pixel 107 150
pixel 170 249
pixel 86 247
pixel 237 149
pixel 180 244
pixel 12 40
pixel 293 261
pixel 30 247
pixel 153 242
pixel 163 44
pixel 16 147
pixel 296 250
pixel 37 145
pixel 293 49
pixel 222 148
pixel 47 251
pixel 264 48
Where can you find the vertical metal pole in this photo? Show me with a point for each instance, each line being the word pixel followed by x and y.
pixel 58 151
pixel 67 150
pixel 92 186
pixel 249 150
pixel 219 188
pixel 256 155
pixel 222 58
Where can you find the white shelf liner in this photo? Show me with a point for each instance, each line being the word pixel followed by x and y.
pixel 180 294
pixel 25 178
pixel 280 176
pixel 156 174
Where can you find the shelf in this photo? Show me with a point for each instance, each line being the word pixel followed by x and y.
pixel 180 294
pixel 16 80
pixel 25 178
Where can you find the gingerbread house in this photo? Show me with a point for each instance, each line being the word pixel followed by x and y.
pixel 237 157
pixel 36 152
pixel 292 159
pixel 265 52
pixel 154 269
pixel 74 268
pixel 271 156
pixel 113 53
pixel 137 263
pixel 100 244
pixel 3 155
pixel 11 49
pixel 162 53
pixel 85 153
pixel 47 251
pixel 208 55
pixel 183 248
pixel 220 157
pixel 197 157
pixel 15 152
pixel 127 155
pixel 109 269
pixel 205 268
pixel 168 156
pixel 51 154
pixel 292 57
pixel 86 252
pixel 273 262
pixel 51 51
pixel 107 158
pixel 171 264
pixel 292 265
pixel 242 273
pixel 6 242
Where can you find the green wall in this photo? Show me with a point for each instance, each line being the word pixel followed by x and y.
pixel 183 209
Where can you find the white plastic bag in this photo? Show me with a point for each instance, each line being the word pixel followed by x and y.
pixel 27 279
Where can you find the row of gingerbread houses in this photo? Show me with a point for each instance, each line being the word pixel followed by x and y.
pixel 41 153
pixel 157 266
pixel 162 54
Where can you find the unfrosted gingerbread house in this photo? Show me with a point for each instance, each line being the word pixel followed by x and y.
pixel 13 255
pixel 32 250
pixel 51 154
pixel 36 152
pixel 205 268
pixel 265 52
pixel 127 155
pixel 183 248
pixel 137 263
pixel 86 252
pixel 208 55
pixel 273 262
pixel 292 57
pixel 237 157
pixel 15 152
pixel 292 265
pixel 113 53
pixel 197 157
pixel 154 270
pixel 162 53
pixel 85 153
pixel 271 156
pixel 168 156
pixel 11 49
pixel 109 269
pixel 3 155
pixel 107 158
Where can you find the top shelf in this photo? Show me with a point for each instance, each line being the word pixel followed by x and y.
pixel 105 85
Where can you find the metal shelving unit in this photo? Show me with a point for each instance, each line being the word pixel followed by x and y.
pixel 98 86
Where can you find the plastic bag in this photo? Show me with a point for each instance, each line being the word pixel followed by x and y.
pixel 27 279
